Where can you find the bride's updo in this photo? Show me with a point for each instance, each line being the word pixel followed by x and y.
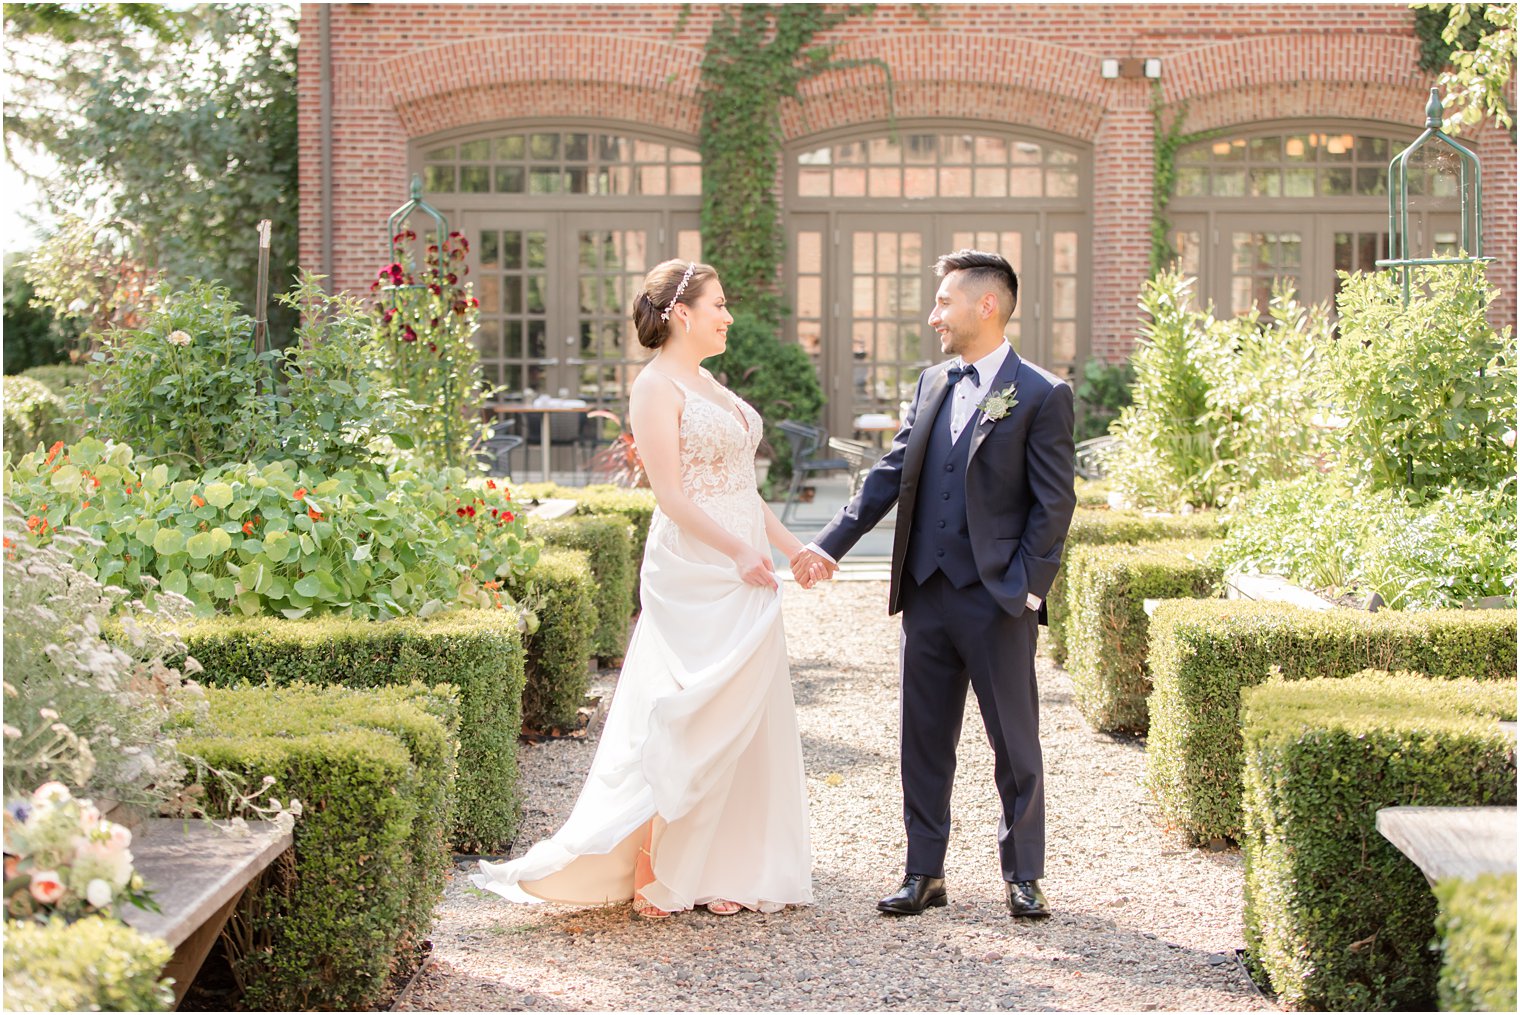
pixel 671 282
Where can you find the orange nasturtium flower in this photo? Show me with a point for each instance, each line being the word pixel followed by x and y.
pixel 53 452
pixel 300 493
pixel 314 514
pixel 247 528
pixel 196 500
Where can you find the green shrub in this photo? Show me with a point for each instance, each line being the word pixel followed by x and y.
pixel 1092 493
pixel 33 415
pixel 609 545
pixel 562 592
pixel 480 652
pixel 1477 925
pixel 93 964
pixel 635 505
pixel 1319 532
pixel 1203 653
pixel 775 377
pixel 1220 406
pixel 1107 625
pixel 275 539
pixel 374 772
pixel 1426 388
pixel 59 377
pixel 1335 915
pixel 1102 392
pixel 188 388
pixel 1101 526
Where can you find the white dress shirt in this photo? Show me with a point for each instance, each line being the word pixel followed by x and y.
pixel 967 396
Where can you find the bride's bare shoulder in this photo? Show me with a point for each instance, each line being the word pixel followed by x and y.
pixel 653 388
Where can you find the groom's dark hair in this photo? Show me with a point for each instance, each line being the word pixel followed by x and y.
pixel 983 268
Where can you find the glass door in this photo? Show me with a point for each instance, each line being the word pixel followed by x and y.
pixel 604 262
pixel 512 259
pixel 1252 252
pixel 1015 237
pixel 885 291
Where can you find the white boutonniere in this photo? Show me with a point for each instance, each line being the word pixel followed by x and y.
pixel 999 404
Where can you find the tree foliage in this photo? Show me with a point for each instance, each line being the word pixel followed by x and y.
pixel 1478 60
pixel 180 124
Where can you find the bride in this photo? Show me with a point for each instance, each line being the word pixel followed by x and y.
pixel 696 794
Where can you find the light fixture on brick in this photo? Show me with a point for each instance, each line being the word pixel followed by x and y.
pixel 1131 67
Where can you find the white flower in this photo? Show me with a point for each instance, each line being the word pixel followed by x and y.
pixel 51 793
pixel 79 306
pixel 98 893
pixel 178 338
pixel 1509 438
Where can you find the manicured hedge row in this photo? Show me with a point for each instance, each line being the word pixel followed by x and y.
pixel 560 590
pixel 374 772
pixel 1107 625
pixel 635 505
pixel 478 651
pixel 1335 915
pixel 93 964
pixel 1101 526
pixel 1203 653
pixel 33 415
pixel 1477 924
pixel 607 541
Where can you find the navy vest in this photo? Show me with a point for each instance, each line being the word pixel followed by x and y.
pixel 940 539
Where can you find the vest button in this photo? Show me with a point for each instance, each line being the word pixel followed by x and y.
pixel 950 468
pixel 939 553
pixel 945 495
pixel 942 523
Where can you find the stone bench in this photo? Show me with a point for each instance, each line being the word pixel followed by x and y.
pixel 1452 842
pixel 197 874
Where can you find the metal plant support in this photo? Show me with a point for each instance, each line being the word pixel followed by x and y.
pixel 1470 187
pixel 407 299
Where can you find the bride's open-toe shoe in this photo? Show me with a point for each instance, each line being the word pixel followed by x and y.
pixel 646 910
pixel 723 907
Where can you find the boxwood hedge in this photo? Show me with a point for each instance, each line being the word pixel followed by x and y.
pixel 607 541
pixel 636 505
pixel 1107 624
pixel 1203 652
pixel 561 591
pixel 93 964
pixel 1477 924
pixel 374 772
pixel 1101 526
pixel 1335 915
pixel 478 651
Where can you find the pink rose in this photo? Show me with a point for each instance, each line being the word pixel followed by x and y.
pixel 51 793
pixel 47 887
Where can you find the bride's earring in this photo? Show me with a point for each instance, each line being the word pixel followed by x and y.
pixel 687 323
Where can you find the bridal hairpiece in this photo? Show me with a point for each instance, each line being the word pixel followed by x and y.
pixel 665 314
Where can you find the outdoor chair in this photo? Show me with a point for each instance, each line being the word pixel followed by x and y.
pixel 497 453
pixel 859 456
pixel 1090 455
pixel 805 441
pixel 566 430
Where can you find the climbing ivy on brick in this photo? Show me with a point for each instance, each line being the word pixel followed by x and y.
pixel 1170 138
pixel 756 56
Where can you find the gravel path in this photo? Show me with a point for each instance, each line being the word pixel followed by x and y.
pixel 1141 921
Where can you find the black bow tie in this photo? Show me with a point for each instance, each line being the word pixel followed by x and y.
pixel 956 373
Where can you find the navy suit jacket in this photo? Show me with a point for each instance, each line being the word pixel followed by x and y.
pixel 1020 485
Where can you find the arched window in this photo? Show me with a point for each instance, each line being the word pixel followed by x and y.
pixel 1298 203
pixel 564 220
pixel 869 214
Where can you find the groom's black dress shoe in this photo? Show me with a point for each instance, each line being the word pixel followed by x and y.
pixel 1026 899
pixel 918 893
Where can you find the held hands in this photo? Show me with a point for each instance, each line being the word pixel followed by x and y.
pixel 809 568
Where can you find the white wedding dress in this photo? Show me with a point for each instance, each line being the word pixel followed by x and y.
pixel 701 737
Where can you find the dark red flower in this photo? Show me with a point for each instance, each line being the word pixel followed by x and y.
pixel 435 289
pixel 451 278
pixel 460 306
pixel 460 512
pixel 409 335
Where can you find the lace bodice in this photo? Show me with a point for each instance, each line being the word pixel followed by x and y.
pixel 717 453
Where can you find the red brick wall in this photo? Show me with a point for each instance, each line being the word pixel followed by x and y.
pixel 408 71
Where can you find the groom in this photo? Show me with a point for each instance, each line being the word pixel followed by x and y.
pixel 983 473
